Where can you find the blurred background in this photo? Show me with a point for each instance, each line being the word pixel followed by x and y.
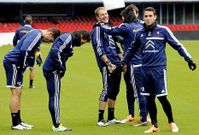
pixel 181 16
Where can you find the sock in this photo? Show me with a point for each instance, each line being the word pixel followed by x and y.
pixel 100 115
pixel 56 125
pixel 167 108
pixel 156 125
pixel 143 119
pixel 19 116
pixel 111 113
pixel 15 119
pixel 31 83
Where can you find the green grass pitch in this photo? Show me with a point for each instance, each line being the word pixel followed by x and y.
pixel 80 91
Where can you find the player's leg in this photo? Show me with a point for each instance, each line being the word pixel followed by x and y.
pixel 15 99
pixel 136 76
pixel 31 77
pixel 32 72
pixel 103 98
pixel 149 93
pixel 113 90
pixel 129 95
pixel 14 81
pixel 53 87
pixel 161 94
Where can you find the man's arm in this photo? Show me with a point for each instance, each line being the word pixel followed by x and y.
pixel 15 38
pixel 135 45
pixel 100 50
pixel 121 30
pixel 173 41
pixel 111 67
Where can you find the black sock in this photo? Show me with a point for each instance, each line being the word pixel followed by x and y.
pixel 31 83
pixel 100 115
pixel 56 125
pixel 167 108
pixel 19 116
pixel 15 119
pixel 152 110
pixel 111 113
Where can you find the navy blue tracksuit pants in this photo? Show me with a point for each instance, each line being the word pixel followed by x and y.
pixel 53 86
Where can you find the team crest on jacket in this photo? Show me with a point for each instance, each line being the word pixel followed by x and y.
pixel 150 47
pixel 149 44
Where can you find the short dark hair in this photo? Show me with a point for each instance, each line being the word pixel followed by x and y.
pixel 150 9
pixel 128 13
pixel 56 32
pixel 83 33
pixel 28 19
pixel 132 7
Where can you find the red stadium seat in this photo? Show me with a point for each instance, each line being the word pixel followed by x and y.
pixel 84 22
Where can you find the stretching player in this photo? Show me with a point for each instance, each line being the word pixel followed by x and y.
pixel 20 32
pixel 152 41
pixel 131 24
pixel 54 69
pixel 108 56
pixel 15 63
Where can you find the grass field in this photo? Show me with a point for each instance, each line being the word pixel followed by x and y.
pixel 80 91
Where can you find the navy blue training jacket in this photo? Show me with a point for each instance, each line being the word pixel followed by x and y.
pixel 153 44
pixel 103 44
pixel 20 32
pixel 24 51
pixel 59 53
pixel 127 31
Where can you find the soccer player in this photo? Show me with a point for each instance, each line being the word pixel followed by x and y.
pixel 152 41
pixel 131 24
pixel 54 69
pixel 15 63
pixel 108 56
pixel 20 32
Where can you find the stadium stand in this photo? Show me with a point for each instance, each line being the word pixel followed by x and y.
pixel 65 25
pixel 82 22
pixel 69 17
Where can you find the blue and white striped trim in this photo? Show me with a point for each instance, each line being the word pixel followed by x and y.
pixel 133 81
pixel 14 75
pixel 165 85
pixel 98 49
pixel 68 39
pixel 176 40
pixel 155 38
pixel 56 98
pixel 33 43
pixel 105 84
pixel 138 65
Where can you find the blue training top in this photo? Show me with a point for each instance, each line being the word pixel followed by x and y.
pixel 20 32
pixel 103 44
pixel 24 51
pixel 127 32
pixel 152 44
pixel 59 53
